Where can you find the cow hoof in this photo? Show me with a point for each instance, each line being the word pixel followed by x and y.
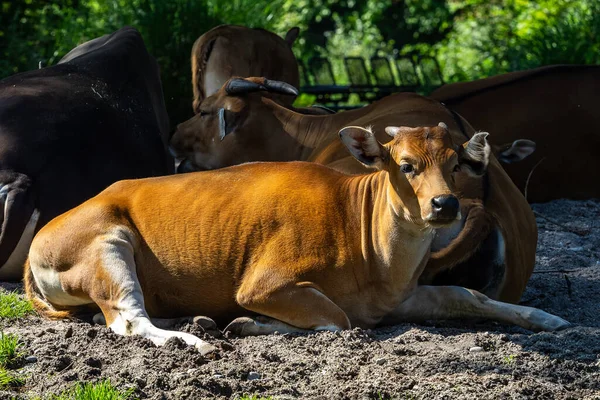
pixel 99 319
pixel 242 326
pixel 558 324
pixel 543 321
pixel 205 323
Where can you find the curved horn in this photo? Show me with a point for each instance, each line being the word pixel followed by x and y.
pixel 280 87
pixel 241 86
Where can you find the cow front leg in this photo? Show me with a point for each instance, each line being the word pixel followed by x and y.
pixel 299 307
pixel 117 291
pixel 454 302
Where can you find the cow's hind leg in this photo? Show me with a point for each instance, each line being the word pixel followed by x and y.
pixel 454 302
pixel 296 308
pixel 118 293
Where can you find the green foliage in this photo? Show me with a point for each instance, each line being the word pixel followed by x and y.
pixel 9 379
pixel 12 305
pixel 10 350
pixel 10 355
pixel 510 360
pixel 470 38
pixel 254 397
pixel 103 390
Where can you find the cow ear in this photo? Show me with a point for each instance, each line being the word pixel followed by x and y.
pixel 364 146
pixel 228 122
pixel 515 151
pixel 292 35
pixel 474 155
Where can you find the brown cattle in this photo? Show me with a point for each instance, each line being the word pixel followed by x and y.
pixel 495 253
pixel 70 130
pixel 230 50
pixel 557 108
pixel 298 246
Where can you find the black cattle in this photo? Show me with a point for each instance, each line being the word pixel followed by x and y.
pixel 70 130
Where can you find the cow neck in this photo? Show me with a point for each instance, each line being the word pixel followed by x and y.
pixel 310 131
pixel 393 243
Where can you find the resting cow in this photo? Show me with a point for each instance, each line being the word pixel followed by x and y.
pixel 296 245
pixel 238 124
pixel 70 130
pixel 230 50
pixel 557 108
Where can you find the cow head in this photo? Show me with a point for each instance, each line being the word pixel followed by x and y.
pixel 209 139
pixel 422 163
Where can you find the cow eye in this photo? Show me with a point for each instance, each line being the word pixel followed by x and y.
pixel 203 113
pixel 407 168
pixel 456 168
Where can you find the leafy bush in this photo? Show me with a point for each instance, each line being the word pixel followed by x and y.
pixel 471 38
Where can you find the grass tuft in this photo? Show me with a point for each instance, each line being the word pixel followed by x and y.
pixel 12 305
pixel 10 350
pixel 254 397
pixel 9 380
pixel 103 390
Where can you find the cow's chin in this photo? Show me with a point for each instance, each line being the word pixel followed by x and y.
pixel 186 165
pixel 438 223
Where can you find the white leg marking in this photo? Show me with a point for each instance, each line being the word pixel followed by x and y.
pixel 261 325
pixel 13 268
pixel 118 260
pixel 450 302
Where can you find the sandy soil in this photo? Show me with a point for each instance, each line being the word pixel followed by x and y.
pixel 433 361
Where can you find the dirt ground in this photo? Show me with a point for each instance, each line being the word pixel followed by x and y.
pixel 434 361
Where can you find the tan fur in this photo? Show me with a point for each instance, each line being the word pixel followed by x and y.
pixel 297 242
pixel 266 131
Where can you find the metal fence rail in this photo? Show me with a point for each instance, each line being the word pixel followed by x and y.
pixel 369 80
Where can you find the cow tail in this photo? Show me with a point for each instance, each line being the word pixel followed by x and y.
pixel 36 297
pixel 17 203
pixel 200 55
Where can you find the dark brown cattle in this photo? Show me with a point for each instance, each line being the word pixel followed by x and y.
pixel 231 50
pixel 70 130
pixel 238 125
pixel 557 108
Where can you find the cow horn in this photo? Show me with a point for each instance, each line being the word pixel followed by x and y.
pixel 280 87
pixel 242 86
pixel 395 130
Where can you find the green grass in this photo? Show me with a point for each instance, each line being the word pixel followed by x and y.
pixel 12 305
pixel 10 353
pixel 10 350
pixel 510 360
pixel 8 379
pixel 254 397
pixel 103 390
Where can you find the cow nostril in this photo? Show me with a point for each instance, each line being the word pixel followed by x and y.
pixel 173 152
pixel 446 205
pixel 436 202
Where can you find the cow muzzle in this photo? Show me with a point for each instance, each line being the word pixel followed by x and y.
pixel 445 210
pixel 184 165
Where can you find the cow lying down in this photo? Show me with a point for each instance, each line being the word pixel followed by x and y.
pixel 285 247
